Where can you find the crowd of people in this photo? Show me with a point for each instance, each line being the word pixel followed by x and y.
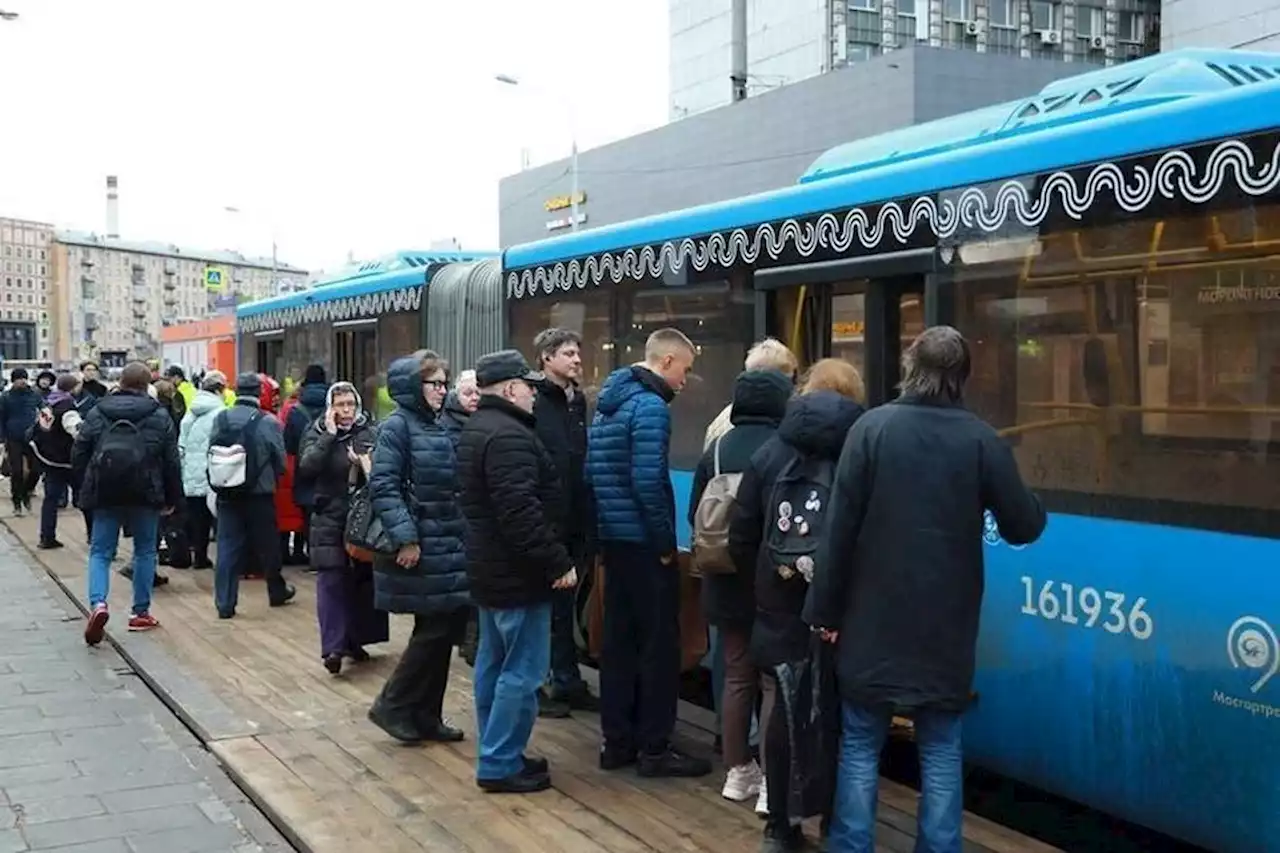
pixel 830 539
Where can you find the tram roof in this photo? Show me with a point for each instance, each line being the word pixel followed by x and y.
pixel 1157 102
pixel 397 270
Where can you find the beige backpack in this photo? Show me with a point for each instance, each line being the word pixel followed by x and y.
pixel 711 521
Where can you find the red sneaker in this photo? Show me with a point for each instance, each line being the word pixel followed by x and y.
pixel 97 626
pixel 143 622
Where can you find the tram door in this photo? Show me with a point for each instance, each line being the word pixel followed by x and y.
pixel 868 323
pixel 355 351
pixel 269 354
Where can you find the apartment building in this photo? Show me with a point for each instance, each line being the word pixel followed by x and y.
pixel 116 295
pixel 1245 24
pixel 790 41
pixel 25 289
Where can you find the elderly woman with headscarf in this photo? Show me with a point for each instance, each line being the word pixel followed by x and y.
pixel 334 458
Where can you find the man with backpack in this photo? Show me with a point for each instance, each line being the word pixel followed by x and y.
pixel 246 458
pixel 125 456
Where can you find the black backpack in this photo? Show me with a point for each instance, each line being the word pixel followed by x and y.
pixel 796 514
pixel 120 465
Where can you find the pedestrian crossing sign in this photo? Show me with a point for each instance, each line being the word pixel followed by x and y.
pixel 212 278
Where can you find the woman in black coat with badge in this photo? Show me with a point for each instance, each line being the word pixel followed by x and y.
pixel 334 458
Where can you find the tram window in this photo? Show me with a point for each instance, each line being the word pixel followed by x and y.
pixel 401 334
pixel 849 328
pixel 1148 392
pixel 589 313
pixel 309 343
pixel 718 318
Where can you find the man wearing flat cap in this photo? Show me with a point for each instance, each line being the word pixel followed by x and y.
pixel 514 508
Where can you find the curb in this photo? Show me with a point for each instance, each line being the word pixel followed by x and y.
pixel 202 735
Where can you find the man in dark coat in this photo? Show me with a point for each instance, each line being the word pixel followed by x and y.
pixel 514 508
pixel 627 468
pixel 414 487
pixel 93 386
pixel 898 582
pixel 759 403
pixel 125 456
pixel 247 521
pixel 561 421
pixel 19 406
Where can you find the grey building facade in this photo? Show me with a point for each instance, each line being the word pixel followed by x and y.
pixel 764 142
pixel 1246 24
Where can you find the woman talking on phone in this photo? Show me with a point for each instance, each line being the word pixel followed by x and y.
pixel 335 457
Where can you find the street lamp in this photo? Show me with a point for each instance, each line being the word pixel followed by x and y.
pixel 510 80
pixel 275 265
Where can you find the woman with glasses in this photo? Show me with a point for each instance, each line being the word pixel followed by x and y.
pixel 414 488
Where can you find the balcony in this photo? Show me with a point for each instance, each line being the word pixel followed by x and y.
pixel 141 293
pixel 170 283
pixel 139 311
pixel 170 269
pixel 88 288
pixel 86 262
pixel 92 322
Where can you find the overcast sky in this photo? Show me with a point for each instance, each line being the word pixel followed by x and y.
pixel 365 126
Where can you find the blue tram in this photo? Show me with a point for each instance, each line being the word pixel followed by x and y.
pixel 1111 248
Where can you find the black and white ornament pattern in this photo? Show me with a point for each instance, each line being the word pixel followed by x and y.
pixel 1133 188
pixel 360 307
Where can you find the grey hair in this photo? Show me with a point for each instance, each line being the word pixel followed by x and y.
pixel 463 378
pixel 936 365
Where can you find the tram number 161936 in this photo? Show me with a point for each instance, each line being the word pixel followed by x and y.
pixel 1063 603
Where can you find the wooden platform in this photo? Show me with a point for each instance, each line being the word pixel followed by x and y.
pixel 297 740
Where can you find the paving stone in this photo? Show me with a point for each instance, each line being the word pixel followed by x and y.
pixel 11 841
pixel 90 760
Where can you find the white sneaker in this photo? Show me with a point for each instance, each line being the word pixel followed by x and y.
pixel 762 801
pixel 742 782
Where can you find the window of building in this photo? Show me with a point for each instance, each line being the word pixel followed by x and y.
pixel 862 52
pixel 1131 27
pixel 1001 13
pixel 1149 390
pixel 1045 16
pixel 957 10
pixel 864 5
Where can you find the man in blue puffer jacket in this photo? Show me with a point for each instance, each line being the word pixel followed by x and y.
pixel 414 487
pixel 626 467
pixel 18 409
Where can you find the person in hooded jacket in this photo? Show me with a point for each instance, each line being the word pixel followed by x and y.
pixel 19 406
pixel 813 428
pixel 414 487
pixel 759 403
pixel 335 456
pixel 193 448
pixel 294 499
pixel 55 433
pixel 628 469
pixel 125 456
pixel 174 550
pixel 45 380
pixel 897 585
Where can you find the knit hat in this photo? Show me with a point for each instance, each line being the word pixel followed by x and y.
pixel 18 373
pixel 248 385
pixel 314 375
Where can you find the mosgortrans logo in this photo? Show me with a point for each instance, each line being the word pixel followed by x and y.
pixel 1252 647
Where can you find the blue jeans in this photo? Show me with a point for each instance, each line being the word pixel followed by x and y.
pixel 863 732
pixel 145 523
pixel 56 483
pixel 511 663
